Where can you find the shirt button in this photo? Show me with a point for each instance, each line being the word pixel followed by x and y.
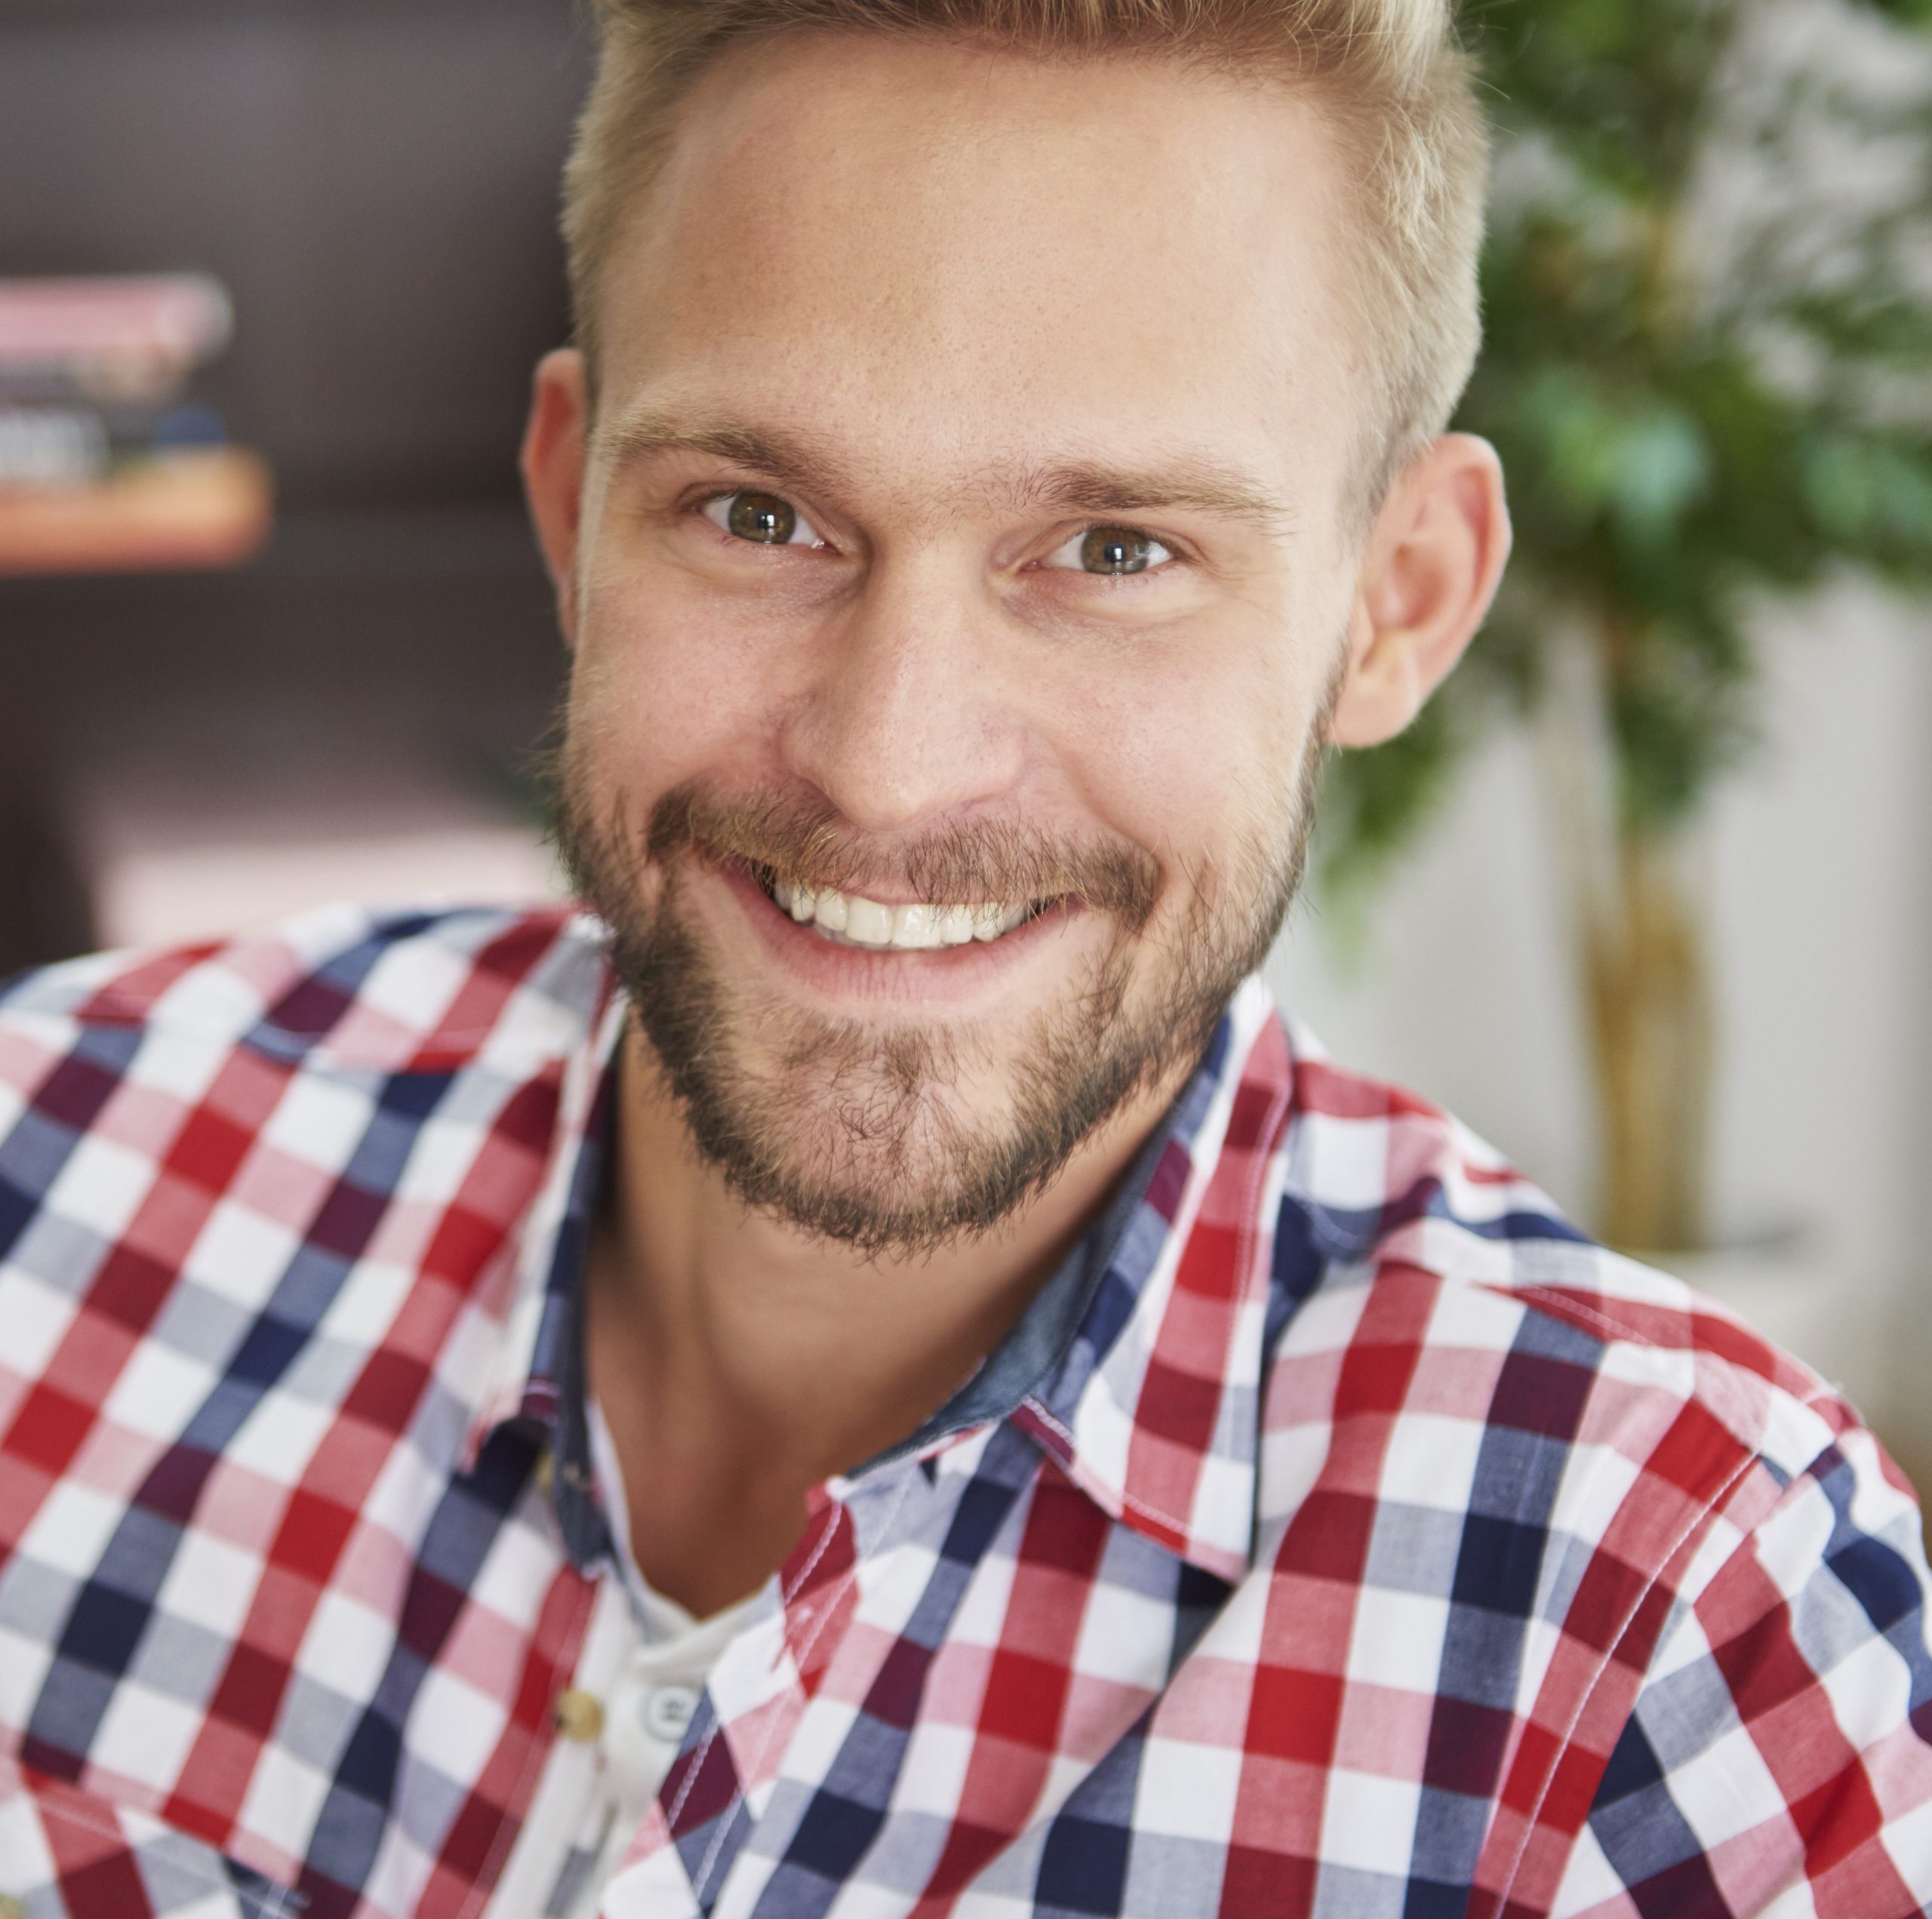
pixel 667 1712
pixel 579 1716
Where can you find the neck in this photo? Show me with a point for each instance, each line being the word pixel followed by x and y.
pixel 739 1361
pixel 800 1340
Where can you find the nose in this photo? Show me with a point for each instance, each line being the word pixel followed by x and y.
pixel 907 717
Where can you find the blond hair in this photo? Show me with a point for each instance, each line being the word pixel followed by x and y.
pixel 1389 75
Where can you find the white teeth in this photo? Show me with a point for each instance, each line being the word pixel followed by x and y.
pixel 868 923
pixel 916 927
pixel 858 921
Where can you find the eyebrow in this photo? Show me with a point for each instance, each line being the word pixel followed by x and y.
pixel 790 459
pixel 1187 484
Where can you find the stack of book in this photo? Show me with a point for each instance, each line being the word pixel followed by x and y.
pixel 107 462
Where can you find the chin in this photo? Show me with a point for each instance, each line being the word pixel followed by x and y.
pixel 894 1138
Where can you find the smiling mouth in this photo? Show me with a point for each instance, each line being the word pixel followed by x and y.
pixel 850 919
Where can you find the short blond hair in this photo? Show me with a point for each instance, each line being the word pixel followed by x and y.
pixel 1390 76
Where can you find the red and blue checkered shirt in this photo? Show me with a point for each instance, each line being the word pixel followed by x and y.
pixel 1365 1542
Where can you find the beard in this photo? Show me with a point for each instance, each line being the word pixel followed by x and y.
pixel 867 1133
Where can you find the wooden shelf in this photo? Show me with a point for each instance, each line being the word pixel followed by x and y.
pixel 209 508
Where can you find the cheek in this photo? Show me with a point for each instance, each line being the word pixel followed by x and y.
pixel 1198 761
pixel 663 688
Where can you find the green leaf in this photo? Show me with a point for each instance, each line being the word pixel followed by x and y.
pixel 1661 467
pixel 1871 499
pixel 1667 467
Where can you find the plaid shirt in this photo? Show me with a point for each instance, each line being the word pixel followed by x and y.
pixel 1371 1545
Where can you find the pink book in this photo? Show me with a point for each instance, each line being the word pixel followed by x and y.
pixel 174 320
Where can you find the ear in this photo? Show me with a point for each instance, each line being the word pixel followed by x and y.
pixel 1430 573
pixel 552 465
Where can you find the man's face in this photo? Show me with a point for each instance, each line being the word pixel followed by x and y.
pixel 962 573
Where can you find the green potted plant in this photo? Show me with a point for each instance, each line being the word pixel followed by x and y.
pixel 1709 289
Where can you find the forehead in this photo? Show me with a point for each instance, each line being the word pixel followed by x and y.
pixel 961 257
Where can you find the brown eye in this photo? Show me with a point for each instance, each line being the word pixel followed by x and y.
pixel 763 516
pixel 1116 549
pixel 1107 552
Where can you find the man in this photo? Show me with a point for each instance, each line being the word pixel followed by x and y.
pixel 876 1376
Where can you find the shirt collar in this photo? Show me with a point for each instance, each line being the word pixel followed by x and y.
pixel 1155 1409
pixel 535 1371
pixel 1137 1368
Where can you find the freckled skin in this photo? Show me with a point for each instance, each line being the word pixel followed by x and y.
pixel 947 271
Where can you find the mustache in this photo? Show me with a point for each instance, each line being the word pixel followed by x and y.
pixel 785 838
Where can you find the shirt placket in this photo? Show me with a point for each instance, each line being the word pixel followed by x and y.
pixel 703 1849
pixel 560 1842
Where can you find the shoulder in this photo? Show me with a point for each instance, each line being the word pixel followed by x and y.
pixel 205 1103
pixel 1398 1224
pixel 1556 1481
pixel 1559 1426
pixel 342 986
